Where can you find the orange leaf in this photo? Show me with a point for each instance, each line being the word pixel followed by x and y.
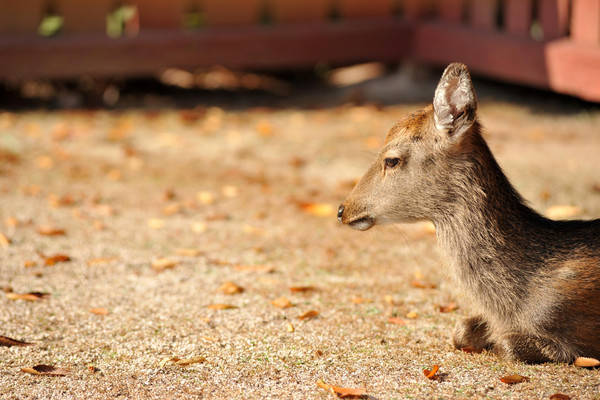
pixel 397 321
pixel 4 241
pixel 189 252
pixel 361 300
pixel 57 258
pixel 512 379
pixel 423 284
pixel 101 260
pixel 309 314
pixel 342 392
pixel 219 306
pixel 431 374
pixel 231 288
pixel 412 315
pixel 282 302
pixel 161 264
pixel 301 289
pixel 51 231
pixel 317 209
pixel 586 362
pixel 29 263
pixel 9 342
pixel 254 268
pixel 560 396
pixel 31 296
pixel 452 306
pixel 48 370
pixel 99 311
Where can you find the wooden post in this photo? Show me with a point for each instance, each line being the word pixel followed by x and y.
pixel 414 9
pixel 554 17
pixel 232 12
pixel 84 17
pixel 285 11
pixel 585 21
pixel 483 14
pixel 365 8
pixel 160 14
pixel 517 16
pixel 451 10
pixel 21 16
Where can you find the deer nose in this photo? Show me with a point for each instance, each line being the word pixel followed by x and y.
pixel 340 212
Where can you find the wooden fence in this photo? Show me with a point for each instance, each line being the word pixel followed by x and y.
pixel 544 43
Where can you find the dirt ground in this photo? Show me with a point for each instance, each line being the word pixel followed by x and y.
pixel 247 195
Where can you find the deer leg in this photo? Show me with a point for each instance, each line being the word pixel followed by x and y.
pixel 532 349
pixel 472 333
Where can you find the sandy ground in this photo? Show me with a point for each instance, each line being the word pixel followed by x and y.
pixel 227 185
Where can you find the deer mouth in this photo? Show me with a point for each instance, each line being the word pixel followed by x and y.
pixel 362 224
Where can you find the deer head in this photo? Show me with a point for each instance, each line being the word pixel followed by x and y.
pixel 414 175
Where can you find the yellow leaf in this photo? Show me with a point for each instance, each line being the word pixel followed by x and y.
pixel 282 302
pixel 162 264
pixel 586 362
pixel 219 306
pixel 563 211
pixel 318 209
pixel 231 288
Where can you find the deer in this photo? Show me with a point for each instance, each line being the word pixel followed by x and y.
pixel 533 283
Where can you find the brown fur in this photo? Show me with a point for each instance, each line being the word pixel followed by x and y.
pixel 534 283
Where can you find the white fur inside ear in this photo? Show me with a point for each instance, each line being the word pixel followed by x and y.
pixel 454 102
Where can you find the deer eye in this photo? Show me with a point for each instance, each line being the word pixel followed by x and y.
pixel 391 162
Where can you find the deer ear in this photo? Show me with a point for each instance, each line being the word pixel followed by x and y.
pixel 455 102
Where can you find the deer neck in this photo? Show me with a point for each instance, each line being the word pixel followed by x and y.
pixel 487 233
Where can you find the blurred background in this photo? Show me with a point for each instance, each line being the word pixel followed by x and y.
pixel 170 173
pixel 73 52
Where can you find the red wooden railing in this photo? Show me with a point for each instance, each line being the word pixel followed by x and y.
pixel 551 44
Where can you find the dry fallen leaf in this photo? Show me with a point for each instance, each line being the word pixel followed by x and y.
pixel 11 222
pixel 182 362
pixel 290 327
pixel 172 209
pixel 560 396
pixel 282 302
pixel 342 392
pixel 586 362
pixel 318 209
pixel 412 315
pixel 308 315
pixel 55 259
pixel 4 241
pixel 161 264
pixel 452 306
pixel 423 284
pixel 396 321
pixel 188 252
pixel 31 296
pixel 99 311
pixel 231 288
pixel 361 300
pixel 51 231
pixel 301 289
pixel 48 370
pixel 101 260
pixel 254 268
pixel 563 211
pixel 219 306
pixel 9 342
pixel 432 374
pixel 512 379
pixel 29 264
